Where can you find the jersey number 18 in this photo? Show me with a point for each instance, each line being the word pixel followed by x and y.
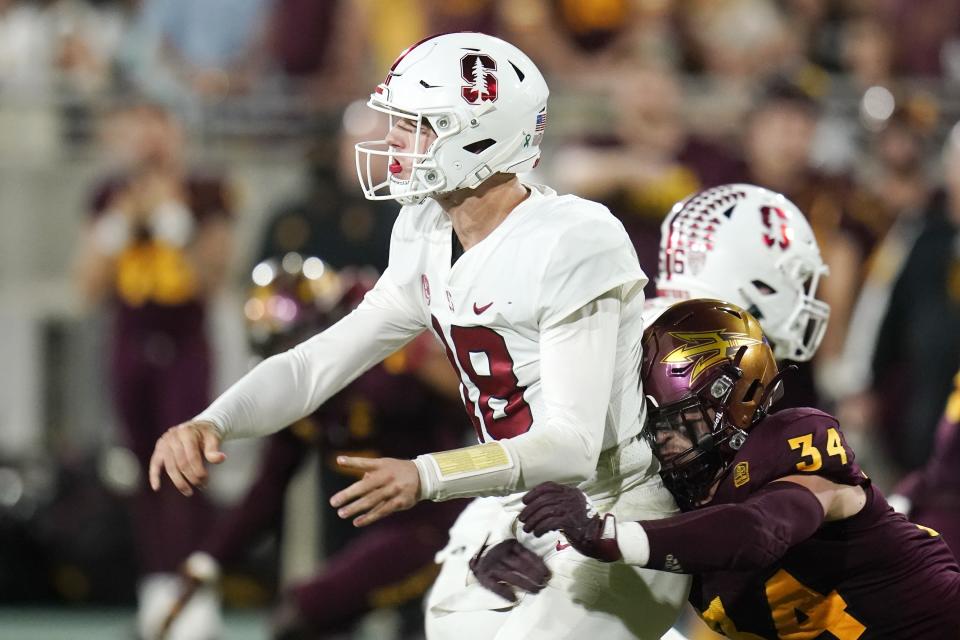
pixel 481 354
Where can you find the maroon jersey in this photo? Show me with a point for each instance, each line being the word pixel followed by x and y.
pixel 160 364
pixel 873 575
pixel 155 287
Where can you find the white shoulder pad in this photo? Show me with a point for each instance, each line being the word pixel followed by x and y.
pixel 409 241
pixel 591 254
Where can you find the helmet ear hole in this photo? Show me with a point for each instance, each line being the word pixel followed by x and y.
pixel 480 145
pixel 763 287
pixel 751 391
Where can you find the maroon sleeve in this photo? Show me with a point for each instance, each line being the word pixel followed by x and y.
pixel 749 535
pixel 260 509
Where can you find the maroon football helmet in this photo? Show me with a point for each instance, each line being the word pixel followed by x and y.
pixel 709 375
pixel 294 297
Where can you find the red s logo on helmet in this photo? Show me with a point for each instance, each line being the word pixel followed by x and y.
pixel 781 236
pixel 477 69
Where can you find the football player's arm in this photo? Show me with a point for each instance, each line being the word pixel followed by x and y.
pixel 210 252
pixel 744 536
pixel 288 386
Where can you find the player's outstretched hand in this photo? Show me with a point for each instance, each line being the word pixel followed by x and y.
pixel 388 485
pixel 555 507
pixel 181 452
pixel 509 565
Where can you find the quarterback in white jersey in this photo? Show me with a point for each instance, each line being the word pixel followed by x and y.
pixel 537 299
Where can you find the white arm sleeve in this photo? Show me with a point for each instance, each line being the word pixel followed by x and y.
pixel 290 385
pixel 577 358
pixel 576 369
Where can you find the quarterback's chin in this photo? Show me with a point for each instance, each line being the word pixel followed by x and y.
pixel 400 188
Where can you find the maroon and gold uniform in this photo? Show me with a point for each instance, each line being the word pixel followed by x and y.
pixel 873 575
pixel 160 363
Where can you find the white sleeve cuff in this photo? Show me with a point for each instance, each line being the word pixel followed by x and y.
pixel 428 480
pixel 214 418
pixel 634 544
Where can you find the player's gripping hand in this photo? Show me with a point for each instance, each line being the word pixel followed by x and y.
pixel 181 452
pixel 509 565
pixel 388 485
pixel 552 506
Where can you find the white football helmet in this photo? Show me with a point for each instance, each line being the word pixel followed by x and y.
pixel 483 97
pixel 752 247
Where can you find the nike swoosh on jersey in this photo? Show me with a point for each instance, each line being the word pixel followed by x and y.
pixel 478 310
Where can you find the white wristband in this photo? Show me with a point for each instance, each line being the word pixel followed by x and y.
pixel 484 469
pixel 112 232
pixel 172 223
pixel 634 544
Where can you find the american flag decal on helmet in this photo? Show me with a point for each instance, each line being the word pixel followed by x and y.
pixel 541 121
pixel 540 127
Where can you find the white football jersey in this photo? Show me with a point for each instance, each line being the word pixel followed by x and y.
pixel 551 256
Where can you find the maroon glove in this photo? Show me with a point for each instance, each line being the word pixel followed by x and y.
pixel 508 565
pixel 552 506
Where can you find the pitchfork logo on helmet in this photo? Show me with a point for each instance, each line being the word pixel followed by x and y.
pixel 482 97
pixel 716 381
pixel 752 247
pixel 703 349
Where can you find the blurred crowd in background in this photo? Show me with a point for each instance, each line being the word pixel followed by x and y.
pixel 224 131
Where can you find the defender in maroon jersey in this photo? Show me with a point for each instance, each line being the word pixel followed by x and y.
pixel 388 411
pixel 784 533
